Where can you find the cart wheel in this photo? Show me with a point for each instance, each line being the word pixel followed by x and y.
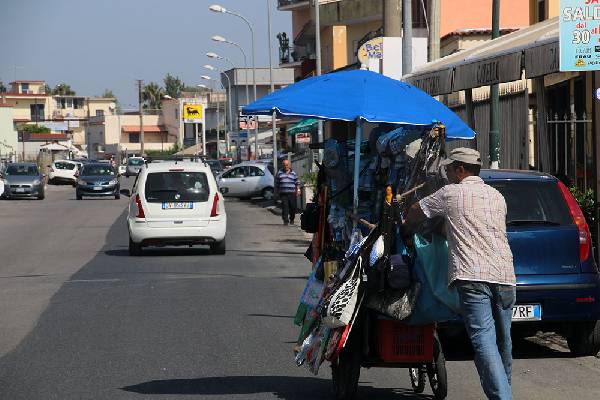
pixel 417 378
pixel 345 372
pixel 437 372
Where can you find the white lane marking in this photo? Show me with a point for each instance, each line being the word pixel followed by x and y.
pixel 93 280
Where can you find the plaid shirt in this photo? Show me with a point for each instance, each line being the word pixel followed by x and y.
pixel 475 216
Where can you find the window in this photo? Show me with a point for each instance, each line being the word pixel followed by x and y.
pixel 98 170
pixel 237 172
pixel 37 112
pixel 24 87
pixel 77 103
pixel 134 137
pixel 541 11
pixel 419 19
pixel 176 186
pixel 64 165
pixel 528 201
pixel 69 103
pixel 99 113
pixel 255 171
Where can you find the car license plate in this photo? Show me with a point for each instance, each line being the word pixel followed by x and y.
pixel 186 205
pixel 97 187
pixel 527 312
pixel 20 190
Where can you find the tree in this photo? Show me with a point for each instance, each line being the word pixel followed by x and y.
pixel 47 89
pixel 2 87
pixel 173 86
pixel 108 94
pixel 152 96
pixel 62 89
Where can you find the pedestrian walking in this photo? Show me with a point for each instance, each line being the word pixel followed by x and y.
pixel 480 264
pixel 287 187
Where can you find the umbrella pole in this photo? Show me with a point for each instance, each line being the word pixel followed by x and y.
pixel 357 140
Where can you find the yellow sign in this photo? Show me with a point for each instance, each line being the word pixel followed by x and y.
pixel 371 49
pixel 192 113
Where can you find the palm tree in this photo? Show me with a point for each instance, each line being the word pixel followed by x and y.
pixel 152 96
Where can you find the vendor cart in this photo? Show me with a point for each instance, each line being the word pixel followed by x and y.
pixel 379 342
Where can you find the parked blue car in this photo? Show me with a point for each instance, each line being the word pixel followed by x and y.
pixel 558 281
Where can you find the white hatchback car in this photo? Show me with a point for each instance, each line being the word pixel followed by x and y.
pixel 176 203
pixel 63 171
pixel 250 178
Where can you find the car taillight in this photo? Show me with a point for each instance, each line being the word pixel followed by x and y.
pixel 140 213
pixel 214 211
pixel 579 220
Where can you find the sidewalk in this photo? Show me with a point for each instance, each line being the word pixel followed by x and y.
pixel 274 206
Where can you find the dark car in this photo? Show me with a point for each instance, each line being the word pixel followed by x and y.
pixel 97 179
pixel 24 180
pixel 558 281
pixel 215 166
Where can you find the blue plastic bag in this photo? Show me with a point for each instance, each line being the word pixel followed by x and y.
pixel 436 301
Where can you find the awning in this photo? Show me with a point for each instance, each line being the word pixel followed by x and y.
pixel 147 128
pixel 497 61
pixel 304 126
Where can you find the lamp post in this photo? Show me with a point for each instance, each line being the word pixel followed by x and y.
pixel 221 39
pixel 211 68
pixel 209 78
pixel 218 57
pixel 273 116
pixel 221 9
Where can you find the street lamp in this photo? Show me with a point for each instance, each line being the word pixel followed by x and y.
pixel 211 68
pixel 221 9
pixel 221 39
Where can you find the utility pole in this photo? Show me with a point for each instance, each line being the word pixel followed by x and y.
pixel 495 97
pixel 407 37
pixel 318 51
pixel 273 116
pixel 392 18
pixel 434 30
pixel 140 85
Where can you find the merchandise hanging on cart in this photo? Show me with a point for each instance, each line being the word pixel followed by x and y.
pixel 375 292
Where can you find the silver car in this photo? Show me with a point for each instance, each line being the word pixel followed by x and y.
pixel 247 179
pixel 134 165
pixel 23 180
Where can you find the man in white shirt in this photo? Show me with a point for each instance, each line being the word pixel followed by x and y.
pixel 480 264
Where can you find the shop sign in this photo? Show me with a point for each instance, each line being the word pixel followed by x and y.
pixel 193 113
pixel 303 137
pixel 247 123
pixel 542 60
pixel 371 49
pixel 505 68
pixel 579 26
pixel 434 83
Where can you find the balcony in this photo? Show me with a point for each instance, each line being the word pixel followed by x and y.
pixel 294 55
pixel 289 5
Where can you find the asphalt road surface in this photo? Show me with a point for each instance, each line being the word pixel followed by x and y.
pixel 80 319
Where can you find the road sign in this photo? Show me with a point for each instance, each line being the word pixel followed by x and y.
pixel 579 35
pixel 193 113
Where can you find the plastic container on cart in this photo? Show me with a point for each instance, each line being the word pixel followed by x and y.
pixel 402 343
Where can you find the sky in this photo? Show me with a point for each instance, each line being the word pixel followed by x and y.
pixel 108 44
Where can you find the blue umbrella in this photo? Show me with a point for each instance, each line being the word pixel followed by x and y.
pixel 360 95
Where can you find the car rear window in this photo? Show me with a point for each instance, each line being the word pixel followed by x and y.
pixel 135 161
pixel 64 165
pixel 25 170
pixel 534 202
pixel 176 186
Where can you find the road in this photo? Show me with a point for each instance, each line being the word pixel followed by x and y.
pixel 83 320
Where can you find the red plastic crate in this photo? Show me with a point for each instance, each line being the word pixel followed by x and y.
pixel 401 343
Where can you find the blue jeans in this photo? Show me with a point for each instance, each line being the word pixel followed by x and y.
pixel 487 311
